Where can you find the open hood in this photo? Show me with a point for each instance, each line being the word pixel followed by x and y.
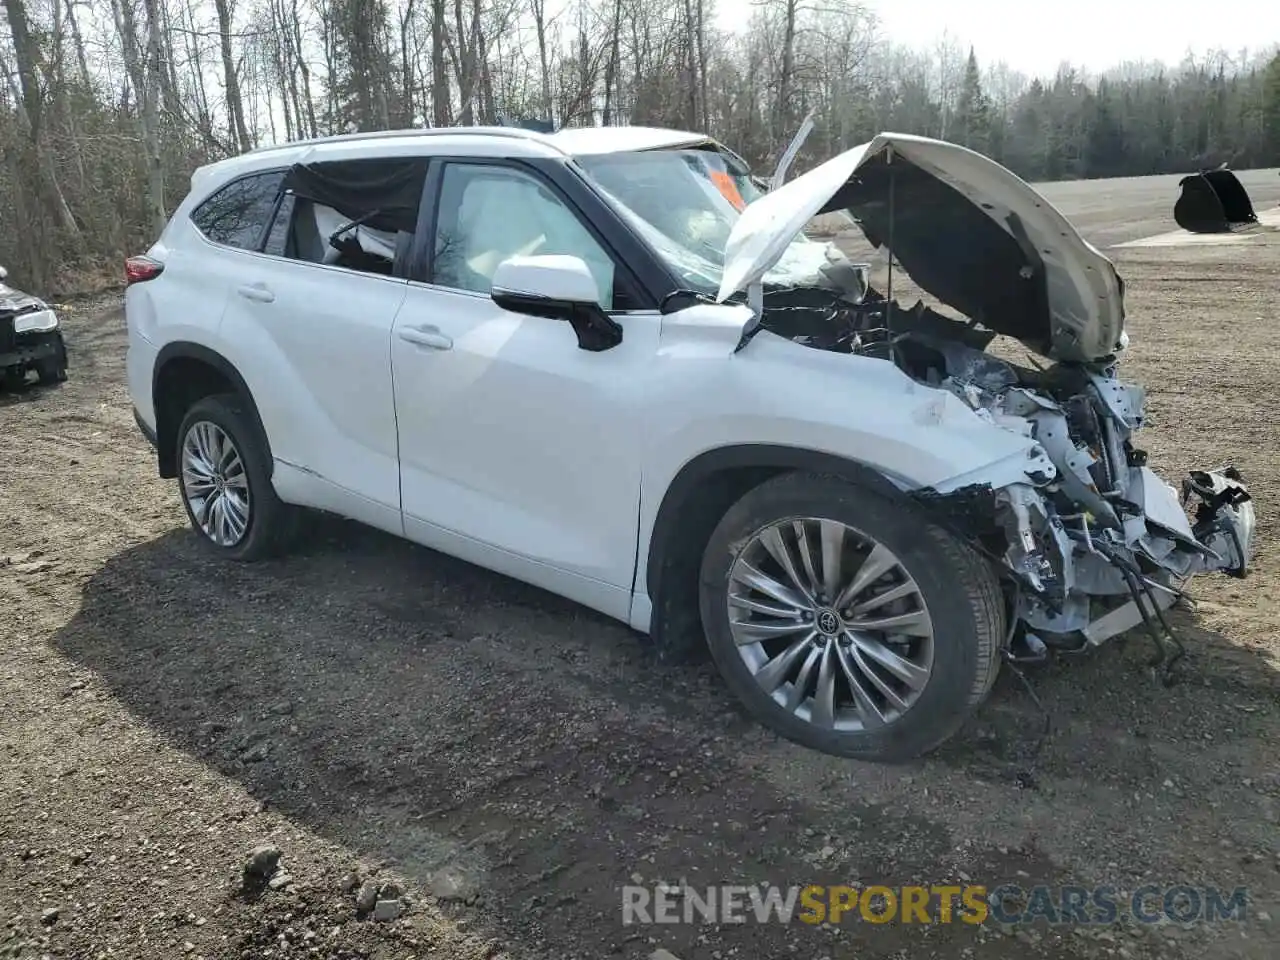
pixel 968 231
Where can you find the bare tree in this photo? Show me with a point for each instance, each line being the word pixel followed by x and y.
pixel 101 126
pixel 235 108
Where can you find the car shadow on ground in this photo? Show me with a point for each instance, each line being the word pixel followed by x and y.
pixel 25 392
pixel 448 722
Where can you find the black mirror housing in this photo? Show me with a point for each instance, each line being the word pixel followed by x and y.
pixel 595 329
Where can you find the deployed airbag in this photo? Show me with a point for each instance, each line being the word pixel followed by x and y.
pixel 1213 201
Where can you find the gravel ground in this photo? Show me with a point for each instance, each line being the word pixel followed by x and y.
pixel 383 716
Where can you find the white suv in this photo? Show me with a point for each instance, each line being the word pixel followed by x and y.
pixel 604 362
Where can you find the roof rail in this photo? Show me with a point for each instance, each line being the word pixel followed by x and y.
pixel 514 132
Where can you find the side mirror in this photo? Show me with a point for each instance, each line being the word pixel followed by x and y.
pixel 558 287
pixel 4 274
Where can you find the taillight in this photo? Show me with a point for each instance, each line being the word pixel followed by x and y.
pixel 139 269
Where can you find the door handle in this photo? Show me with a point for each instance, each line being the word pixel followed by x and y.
pixel 426 337
pixel 256 291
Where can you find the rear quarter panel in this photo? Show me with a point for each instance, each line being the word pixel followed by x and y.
pixel 184 303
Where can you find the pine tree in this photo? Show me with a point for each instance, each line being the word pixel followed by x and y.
pixel 973 110
pixel 1105 146
pixel 1271 110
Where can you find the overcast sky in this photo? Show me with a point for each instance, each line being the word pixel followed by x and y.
pixel 1034 36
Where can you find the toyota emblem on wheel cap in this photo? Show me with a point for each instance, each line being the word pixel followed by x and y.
pixel 828 622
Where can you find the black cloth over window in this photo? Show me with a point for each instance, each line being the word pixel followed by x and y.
pixel 392 186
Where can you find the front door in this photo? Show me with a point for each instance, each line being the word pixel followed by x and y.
pixel 518 450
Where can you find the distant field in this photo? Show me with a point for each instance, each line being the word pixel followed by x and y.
pixel 1121 209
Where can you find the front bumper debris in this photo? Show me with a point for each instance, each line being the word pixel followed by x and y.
pixel 1224 520
pixel 22 351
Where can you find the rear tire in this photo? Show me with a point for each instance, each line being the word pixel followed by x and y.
pixel 884 683
pixel 225 483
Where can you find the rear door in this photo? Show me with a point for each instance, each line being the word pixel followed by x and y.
pixel 311 318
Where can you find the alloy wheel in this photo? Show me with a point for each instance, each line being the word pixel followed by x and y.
pixel 831 625
pixel 214 483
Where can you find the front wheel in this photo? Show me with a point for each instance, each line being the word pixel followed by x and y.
pixel 846 622
pixel 51 370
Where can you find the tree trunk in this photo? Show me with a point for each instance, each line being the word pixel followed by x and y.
pixel 329 33
pixel 30 106
pixel 155 162
pixel 612 65
pixel 235 106
pixel 305 71
pixel 488 106
pixel 440 112
pixel 540 29
pixel 380 71
pixel 168 73
pixel 702 66
pixel 406 65
pixel 77 41
pixel 127 27
pixel 785 78
pixel 26 54
pixel 204 121
pixel 689 49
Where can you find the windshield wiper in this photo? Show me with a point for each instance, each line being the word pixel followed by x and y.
pixel 680 299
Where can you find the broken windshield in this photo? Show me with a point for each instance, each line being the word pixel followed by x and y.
pixel 685 201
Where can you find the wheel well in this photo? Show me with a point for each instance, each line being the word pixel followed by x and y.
pixel 187 375
pixel 694 503
pixel 676 625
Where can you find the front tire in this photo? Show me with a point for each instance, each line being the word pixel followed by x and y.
pixel 225 483
pixel 847 623
pixel 53 369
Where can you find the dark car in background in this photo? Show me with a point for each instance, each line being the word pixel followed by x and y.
pixel 30 338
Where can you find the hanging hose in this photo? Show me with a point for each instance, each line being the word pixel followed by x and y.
pixel 1138 590
pixel 1024 777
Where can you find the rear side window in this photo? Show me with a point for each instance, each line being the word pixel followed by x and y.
pixel 358 214
pixel 237 214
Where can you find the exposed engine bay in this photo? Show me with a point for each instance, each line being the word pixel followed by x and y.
pixel 1103 546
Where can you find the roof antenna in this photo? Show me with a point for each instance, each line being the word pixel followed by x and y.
pixel 888 311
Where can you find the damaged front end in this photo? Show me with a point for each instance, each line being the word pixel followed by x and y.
pixel 1106 545
pixel 1100 545
pixel 30 338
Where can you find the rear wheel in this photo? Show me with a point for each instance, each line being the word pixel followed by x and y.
pixel 847 623
pixel 225 482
